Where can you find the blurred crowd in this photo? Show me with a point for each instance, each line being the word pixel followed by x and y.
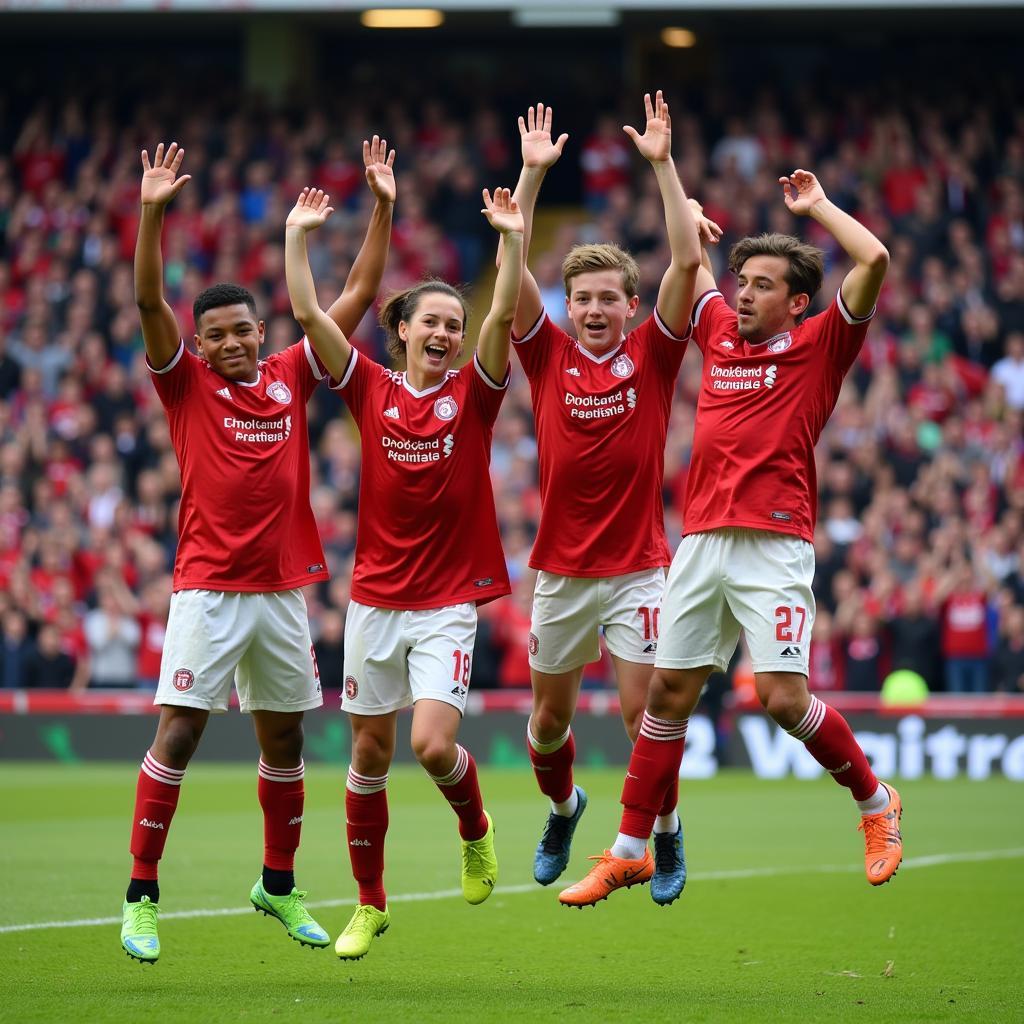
pixel 920 543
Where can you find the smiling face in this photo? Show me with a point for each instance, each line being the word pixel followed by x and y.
pixel 229 339
pixel 433 337
pixel 764 305
pixel 599 308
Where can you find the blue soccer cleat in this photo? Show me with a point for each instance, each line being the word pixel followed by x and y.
pixel 669 867
pixel 552 856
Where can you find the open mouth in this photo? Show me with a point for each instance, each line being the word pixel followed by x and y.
pixel 436 353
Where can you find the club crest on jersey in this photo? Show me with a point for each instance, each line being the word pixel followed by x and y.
pixel 780 342
pixel 183 679
pixel 445 408
pixel 351 687
pixel 622 366
pixel 534 644
pixel 279 392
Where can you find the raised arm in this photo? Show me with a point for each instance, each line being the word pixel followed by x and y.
pixel 675 296
pixel 367 271
pixel 495 333
pixel 160 184
pixel 539 153
pixel 860 288
pixel 710 234
pixel 326 337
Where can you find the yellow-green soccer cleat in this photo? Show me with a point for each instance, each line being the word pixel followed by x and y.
pixel 479 865
pixel 367 923
pixel 138 930
pixel 290 911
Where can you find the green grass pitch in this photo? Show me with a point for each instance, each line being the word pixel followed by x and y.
pixel 777 922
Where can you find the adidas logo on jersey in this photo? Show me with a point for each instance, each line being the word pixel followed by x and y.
pixel 224 393
pixel 789 652
pixel 392 413
pixel 572 371
pixel 146 823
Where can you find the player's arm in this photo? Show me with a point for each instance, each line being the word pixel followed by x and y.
pixel 710 234
pixel 675 296
pixel 505 217
pixel 805 196
pixel 326 337
pixel 160 184
pixel 539 153
pixel 367 271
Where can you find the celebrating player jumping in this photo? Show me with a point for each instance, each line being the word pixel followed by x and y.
pixel 602 402
pixel 247 544
pixel 427 551
pixel 746 561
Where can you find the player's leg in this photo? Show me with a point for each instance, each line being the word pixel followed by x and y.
pixel 778 621
pixel 440 665
pixel 277 681
pixel 366 826
pixel 697 635
pixel 563 638
pixel 199 657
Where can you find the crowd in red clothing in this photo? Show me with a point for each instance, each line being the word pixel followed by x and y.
pixel 920 542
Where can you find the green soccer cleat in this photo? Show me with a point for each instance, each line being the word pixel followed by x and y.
pixel 479 865
pixel 367 923
pixel 291 913
pixel 138 930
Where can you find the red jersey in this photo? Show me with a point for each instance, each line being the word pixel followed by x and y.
pixel 428 532
pixel 245 523
pixel 601 426
pixel 965 625
pixel 760 413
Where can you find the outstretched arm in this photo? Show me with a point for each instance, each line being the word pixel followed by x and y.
pixel 860 288
pixel 675 297
pixel 160 184
pixel 367 271
pixel 710 234
pixel 326 337
pixel 495 334
pixel 539 153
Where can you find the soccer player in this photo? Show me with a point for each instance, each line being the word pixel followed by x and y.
pixel 746 561
pixel 427 550
pixel 247 543
pixel 601 402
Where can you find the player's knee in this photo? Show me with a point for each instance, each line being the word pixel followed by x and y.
pixel 370 755
pixel 674 694
pixel 176 742
pixel 785 704
pixel 548 723
pixel 436 754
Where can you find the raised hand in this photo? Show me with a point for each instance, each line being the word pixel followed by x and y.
pixel 535 135
pixel 160 181
pixel 801 192
pixel 710 233
pixel 502 211
pixel 379 175
pixel 310 210
pixel 656 142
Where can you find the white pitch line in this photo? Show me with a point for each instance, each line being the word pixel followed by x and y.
pixel 927 861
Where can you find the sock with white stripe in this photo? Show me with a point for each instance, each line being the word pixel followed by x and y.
pixel 461 789
pixel 552 765
pixel 653 767
pixel 831 743
pixel 282 796
pixel 366 826
pixel 156 798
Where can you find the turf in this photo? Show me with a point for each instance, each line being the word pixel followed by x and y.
pixel 777 921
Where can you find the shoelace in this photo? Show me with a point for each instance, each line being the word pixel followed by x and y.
pixel 143 916
pixel 474 859
pixel 880 830
pixel 294 906
pixel 555 833
pixel 360 920
pixel 665 852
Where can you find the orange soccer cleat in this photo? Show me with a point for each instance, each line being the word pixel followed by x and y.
pixel 883 843
pixel 607 875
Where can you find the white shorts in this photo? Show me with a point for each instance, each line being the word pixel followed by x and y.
pixel 568 612
pixel 395 658
pixel 731 579
pixel 260 640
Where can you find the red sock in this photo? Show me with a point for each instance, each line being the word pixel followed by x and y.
pixel 282 795
pixel 462 790
pixel 671 801
pixel 830 740
pixel 653 768
pixel 156 797
pixel 366 825
pixel 553 768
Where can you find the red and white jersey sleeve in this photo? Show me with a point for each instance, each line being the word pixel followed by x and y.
pixel 761 411
pixel 245 522
pixel 428 532
pixel 601 427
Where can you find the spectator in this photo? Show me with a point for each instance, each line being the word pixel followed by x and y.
pixel 47 666
pixel 1008 660
pixel 16 649
pixel 113 635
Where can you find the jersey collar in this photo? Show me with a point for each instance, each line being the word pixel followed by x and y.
pixel 601 359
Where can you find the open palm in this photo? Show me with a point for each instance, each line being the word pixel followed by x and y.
pixel 535 136
pixel 310 210
pixel 160 181
pixel 379 175
pixel 656 142
pixel 502 211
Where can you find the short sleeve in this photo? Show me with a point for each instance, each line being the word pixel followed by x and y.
pixel 840 334
pixel 174 381
pixel 535 348
pixel 488 394
pixel 357 382
pixel 711 318
pixel 668 348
